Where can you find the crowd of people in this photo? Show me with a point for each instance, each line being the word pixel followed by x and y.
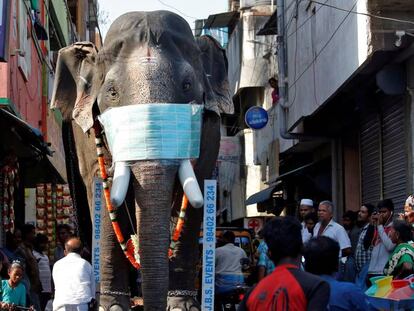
pixel 30 280
pixel 312 262
pixel 305 262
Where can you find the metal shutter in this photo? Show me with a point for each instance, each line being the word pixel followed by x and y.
pixel 394 151
pixel 370 159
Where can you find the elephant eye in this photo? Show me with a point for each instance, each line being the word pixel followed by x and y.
pixel 186 85
pixel 112 92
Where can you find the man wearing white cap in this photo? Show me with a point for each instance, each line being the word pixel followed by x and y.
pixel 306 207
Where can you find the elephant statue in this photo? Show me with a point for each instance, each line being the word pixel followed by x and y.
pixel 148 59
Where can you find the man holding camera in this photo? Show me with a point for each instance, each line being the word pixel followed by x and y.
pixel 383 246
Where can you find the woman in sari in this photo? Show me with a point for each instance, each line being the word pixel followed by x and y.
pixel 401 262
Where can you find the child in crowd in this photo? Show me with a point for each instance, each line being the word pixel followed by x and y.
pixel 12 291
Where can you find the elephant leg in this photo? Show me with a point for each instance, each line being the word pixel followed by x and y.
pixel 182 303
pixel 114 293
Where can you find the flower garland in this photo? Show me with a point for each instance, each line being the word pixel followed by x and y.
pixel 131 247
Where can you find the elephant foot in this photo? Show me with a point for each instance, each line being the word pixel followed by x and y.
pixel 182 303
pixel 113 302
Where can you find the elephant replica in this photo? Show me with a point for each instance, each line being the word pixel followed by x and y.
pixel 155 94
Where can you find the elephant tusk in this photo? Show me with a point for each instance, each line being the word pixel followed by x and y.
pixel 120 183
pixel 190 184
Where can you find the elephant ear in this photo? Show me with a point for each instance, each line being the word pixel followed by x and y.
pixel 76 86
pixel 213 56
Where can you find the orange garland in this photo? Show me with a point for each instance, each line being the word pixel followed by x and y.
pixel 127 247
pixel 179 226
pixel 129 252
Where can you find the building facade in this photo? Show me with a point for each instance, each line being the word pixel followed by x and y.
pixel 251 63
pixel 344 126
pixel 31 34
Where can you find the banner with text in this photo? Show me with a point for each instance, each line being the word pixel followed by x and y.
pixel 209 245
pixel 98 207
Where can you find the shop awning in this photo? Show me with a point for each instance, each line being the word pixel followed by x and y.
pixel 27 143
pixel 294 171
pixel 227 19
pixel 28 139
pixel 262 195
pixel 267 193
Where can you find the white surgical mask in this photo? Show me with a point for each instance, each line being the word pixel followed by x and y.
pixel 153 131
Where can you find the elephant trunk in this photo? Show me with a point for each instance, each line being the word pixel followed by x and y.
pixel 153 186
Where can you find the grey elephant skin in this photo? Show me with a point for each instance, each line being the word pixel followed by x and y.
pixel 147 57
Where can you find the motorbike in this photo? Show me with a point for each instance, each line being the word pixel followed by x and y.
pixel 231 300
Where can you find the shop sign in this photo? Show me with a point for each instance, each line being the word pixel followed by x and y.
pixel 229 149
pixel 4 29
pixel 256 118
pixel 209 245
pixel 254 223
pixel 98 206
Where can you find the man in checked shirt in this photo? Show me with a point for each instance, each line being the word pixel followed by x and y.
pixel 364 246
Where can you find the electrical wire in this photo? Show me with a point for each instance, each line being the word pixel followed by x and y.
pixel 175 9
pixel 365 14
pixel 294 12
pixel 325 4
pixel 325 45
pixel 295 67
pixel 305 21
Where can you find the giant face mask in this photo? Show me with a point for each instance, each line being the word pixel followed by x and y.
pixel 153 132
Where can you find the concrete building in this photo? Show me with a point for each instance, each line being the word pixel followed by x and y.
pixel 31 33
pixel 344 127
pixel 251 63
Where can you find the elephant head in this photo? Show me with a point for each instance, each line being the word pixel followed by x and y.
pixel 148 58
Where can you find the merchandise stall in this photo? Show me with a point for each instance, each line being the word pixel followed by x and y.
pixel 53 207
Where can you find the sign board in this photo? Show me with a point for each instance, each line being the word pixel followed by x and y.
pixel 256 118
pixel 98 206
pixel 209 245
pixel 254 223
pixel 230 149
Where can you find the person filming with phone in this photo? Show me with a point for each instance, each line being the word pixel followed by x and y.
pixel 382 244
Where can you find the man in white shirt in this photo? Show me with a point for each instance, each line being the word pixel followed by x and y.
pixel 73 279
pixel 328 227
pixel 228 265
pixel 305 207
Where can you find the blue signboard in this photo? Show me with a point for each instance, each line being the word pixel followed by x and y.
pixel 4 29
pixel 256 118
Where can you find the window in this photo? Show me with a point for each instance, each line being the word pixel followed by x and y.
pixel 24 47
